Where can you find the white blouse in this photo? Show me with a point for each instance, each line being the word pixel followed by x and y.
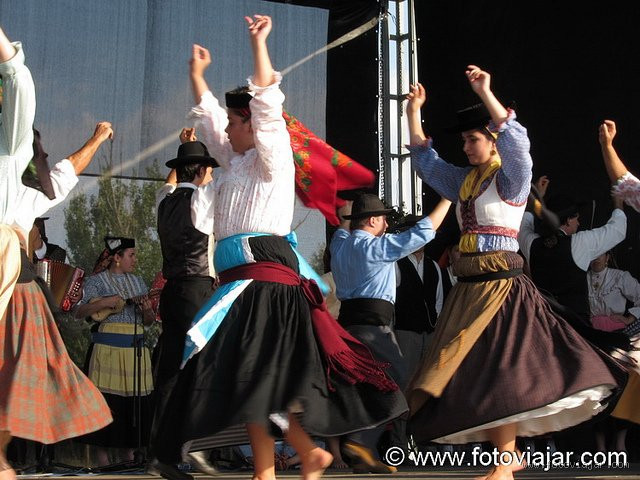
pixel 254 190
pixel 31 203
pixel 16 130
pixel 609 291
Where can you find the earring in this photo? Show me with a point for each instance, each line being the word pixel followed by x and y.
pixel 493 152
pixel 117 264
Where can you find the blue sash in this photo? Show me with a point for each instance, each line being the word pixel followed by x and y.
pixel 115 339
pixel 232 252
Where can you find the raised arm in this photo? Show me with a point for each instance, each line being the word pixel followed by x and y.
pixel 415 100
pixel 613 164
pixel 208 116
pixel 81 158
pixel 200 61
pixel 514 178
pixel 7 50
pixel 259 29
pixel 439 212
pixel 270 135
pixel 480 82
pixel 18 99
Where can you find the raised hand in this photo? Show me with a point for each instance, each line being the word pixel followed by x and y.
pixel 259 27
pixel 188 135
pixel 103 131
pixel 417 97
pixel 479 80
pixel 200 59
pixel 606 133
pixel 542 184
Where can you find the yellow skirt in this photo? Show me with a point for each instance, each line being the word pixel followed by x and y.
pixel 627 407
pixel 112 369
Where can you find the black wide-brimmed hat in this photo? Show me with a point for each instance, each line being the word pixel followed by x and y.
pixel 470 118
pixel 564 206
pixel 115 244
pixel 368 205
pixel 192 153
pixel 238 98
pixel 403 223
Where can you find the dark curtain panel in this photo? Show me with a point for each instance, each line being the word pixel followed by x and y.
pixel 352 83
pixel 565 65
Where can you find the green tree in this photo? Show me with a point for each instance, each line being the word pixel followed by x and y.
pixel 121 208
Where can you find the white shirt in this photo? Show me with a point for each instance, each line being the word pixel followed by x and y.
pixel 586 245
pixel 255 189
pixel 419 266
pixel 31 203
pixel 609 291
pixel 16 129
pixel 202 202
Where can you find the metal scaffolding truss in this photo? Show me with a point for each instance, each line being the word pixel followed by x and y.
pixel 397 58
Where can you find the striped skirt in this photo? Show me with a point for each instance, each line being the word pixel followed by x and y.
pixel 501 356
pixel 43 395
pixel 112 366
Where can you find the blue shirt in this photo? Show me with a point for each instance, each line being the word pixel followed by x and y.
pixel 363 265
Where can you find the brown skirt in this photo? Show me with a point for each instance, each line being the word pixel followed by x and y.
pixel 43 395
pixel 525 365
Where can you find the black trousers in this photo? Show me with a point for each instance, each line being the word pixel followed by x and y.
pixel 180 300
pixel 382 343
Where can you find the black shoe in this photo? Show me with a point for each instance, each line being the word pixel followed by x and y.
pixel 168 471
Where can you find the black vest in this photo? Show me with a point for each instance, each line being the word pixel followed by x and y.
pixel 554 271
pixel 416 301
pixel 184 248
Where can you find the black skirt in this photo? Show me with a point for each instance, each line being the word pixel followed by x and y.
pixel 264 360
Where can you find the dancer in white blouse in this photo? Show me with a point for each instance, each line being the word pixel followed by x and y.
pixel 264 346
pixel 609 291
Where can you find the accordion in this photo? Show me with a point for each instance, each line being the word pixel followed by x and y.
pixel 64 281
pixel 632 329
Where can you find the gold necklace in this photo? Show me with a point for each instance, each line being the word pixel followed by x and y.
pixel 125 293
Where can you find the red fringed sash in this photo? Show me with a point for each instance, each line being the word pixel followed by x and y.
pixel 321 170
pixel 344 354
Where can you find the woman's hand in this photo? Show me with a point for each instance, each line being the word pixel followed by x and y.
pixel 479 80
pixel 200 60
pixel 111 302
pixel 416 99
pixel 259 28
pixel 626 319
pixel 606 133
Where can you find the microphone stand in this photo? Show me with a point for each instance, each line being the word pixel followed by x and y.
pixel 139 460
pixel 138 454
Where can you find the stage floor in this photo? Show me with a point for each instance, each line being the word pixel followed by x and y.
pixel 631 473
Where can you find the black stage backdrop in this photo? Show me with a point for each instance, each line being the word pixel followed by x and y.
pixel 567 66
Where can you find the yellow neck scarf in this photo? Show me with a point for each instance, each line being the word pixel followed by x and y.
pixel 470 189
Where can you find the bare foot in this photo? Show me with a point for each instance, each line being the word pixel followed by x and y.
pixel 8 474
pixel 500 473
pixel 514 467
pixel 314 463
pixel 339 463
